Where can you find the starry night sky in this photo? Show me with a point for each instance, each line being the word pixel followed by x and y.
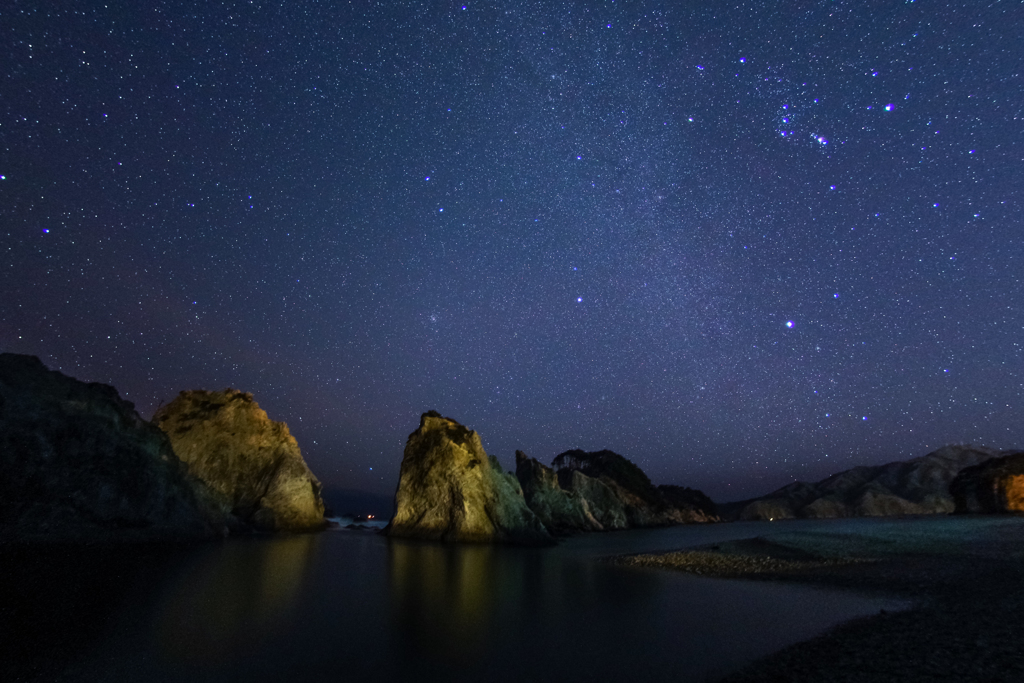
pixel 740 243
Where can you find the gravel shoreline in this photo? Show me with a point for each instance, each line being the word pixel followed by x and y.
pixel 964 575
pixel 723 565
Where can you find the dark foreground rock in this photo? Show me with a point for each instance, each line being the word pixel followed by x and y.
pixel 994 486
pixel 561 511
pixel 78 463
pixel 250 461
pixel 450 490
pixel 912 487
pixel 620 495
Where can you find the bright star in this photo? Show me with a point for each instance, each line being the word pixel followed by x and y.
pixel 789 323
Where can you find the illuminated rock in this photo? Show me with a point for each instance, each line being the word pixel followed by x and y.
pixel 449 489
pixel 252 462
pixel 78 463
pixel 993 486
pixel 561 511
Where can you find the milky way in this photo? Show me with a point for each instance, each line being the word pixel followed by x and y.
pixel 739 243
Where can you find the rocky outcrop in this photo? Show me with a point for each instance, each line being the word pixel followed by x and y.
pixel 994 486
pixel 449 489
pixel 911 487
pixel 78 463
pixel 685 498
pixel 602 502
pixel 614 488
pixel 562 512
pixel 250 461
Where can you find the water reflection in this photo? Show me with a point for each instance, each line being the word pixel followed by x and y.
pixel 58 603
pixel 367 608
pixel 454 609
pixel 443 596
pixel 232 598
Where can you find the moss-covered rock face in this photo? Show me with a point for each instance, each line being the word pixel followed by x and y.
pixel 250 461
pixel 620 495
pixel 993 486
pixel 77 463
pixel 450 490
pixel 561 511
pixel 610 465
pixel 602 501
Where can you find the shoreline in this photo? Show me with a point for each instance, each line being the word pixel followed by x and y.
pixel 963 576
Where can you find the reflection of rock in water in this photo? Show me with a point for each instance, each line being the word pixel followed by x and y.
pixel 233 598
pixel 456 609
pixel 443 596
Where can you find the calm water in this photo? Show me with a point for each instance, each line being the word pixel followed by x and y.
pixel 353 606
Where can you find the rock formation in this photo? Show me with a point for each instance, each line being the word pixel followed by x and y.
pixel 685 498
pixel 562 512
pixel 602 502
pixel 78 463
pixel 250 461
pixel 996 485
pixel 911 487
pixel 450 490
pixel 619 494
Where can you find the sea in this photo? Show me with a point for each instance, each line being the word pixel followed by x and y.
pixel 352 605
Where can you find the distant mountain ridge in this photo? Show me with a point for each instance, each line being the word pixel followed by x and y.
pixel 918 486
